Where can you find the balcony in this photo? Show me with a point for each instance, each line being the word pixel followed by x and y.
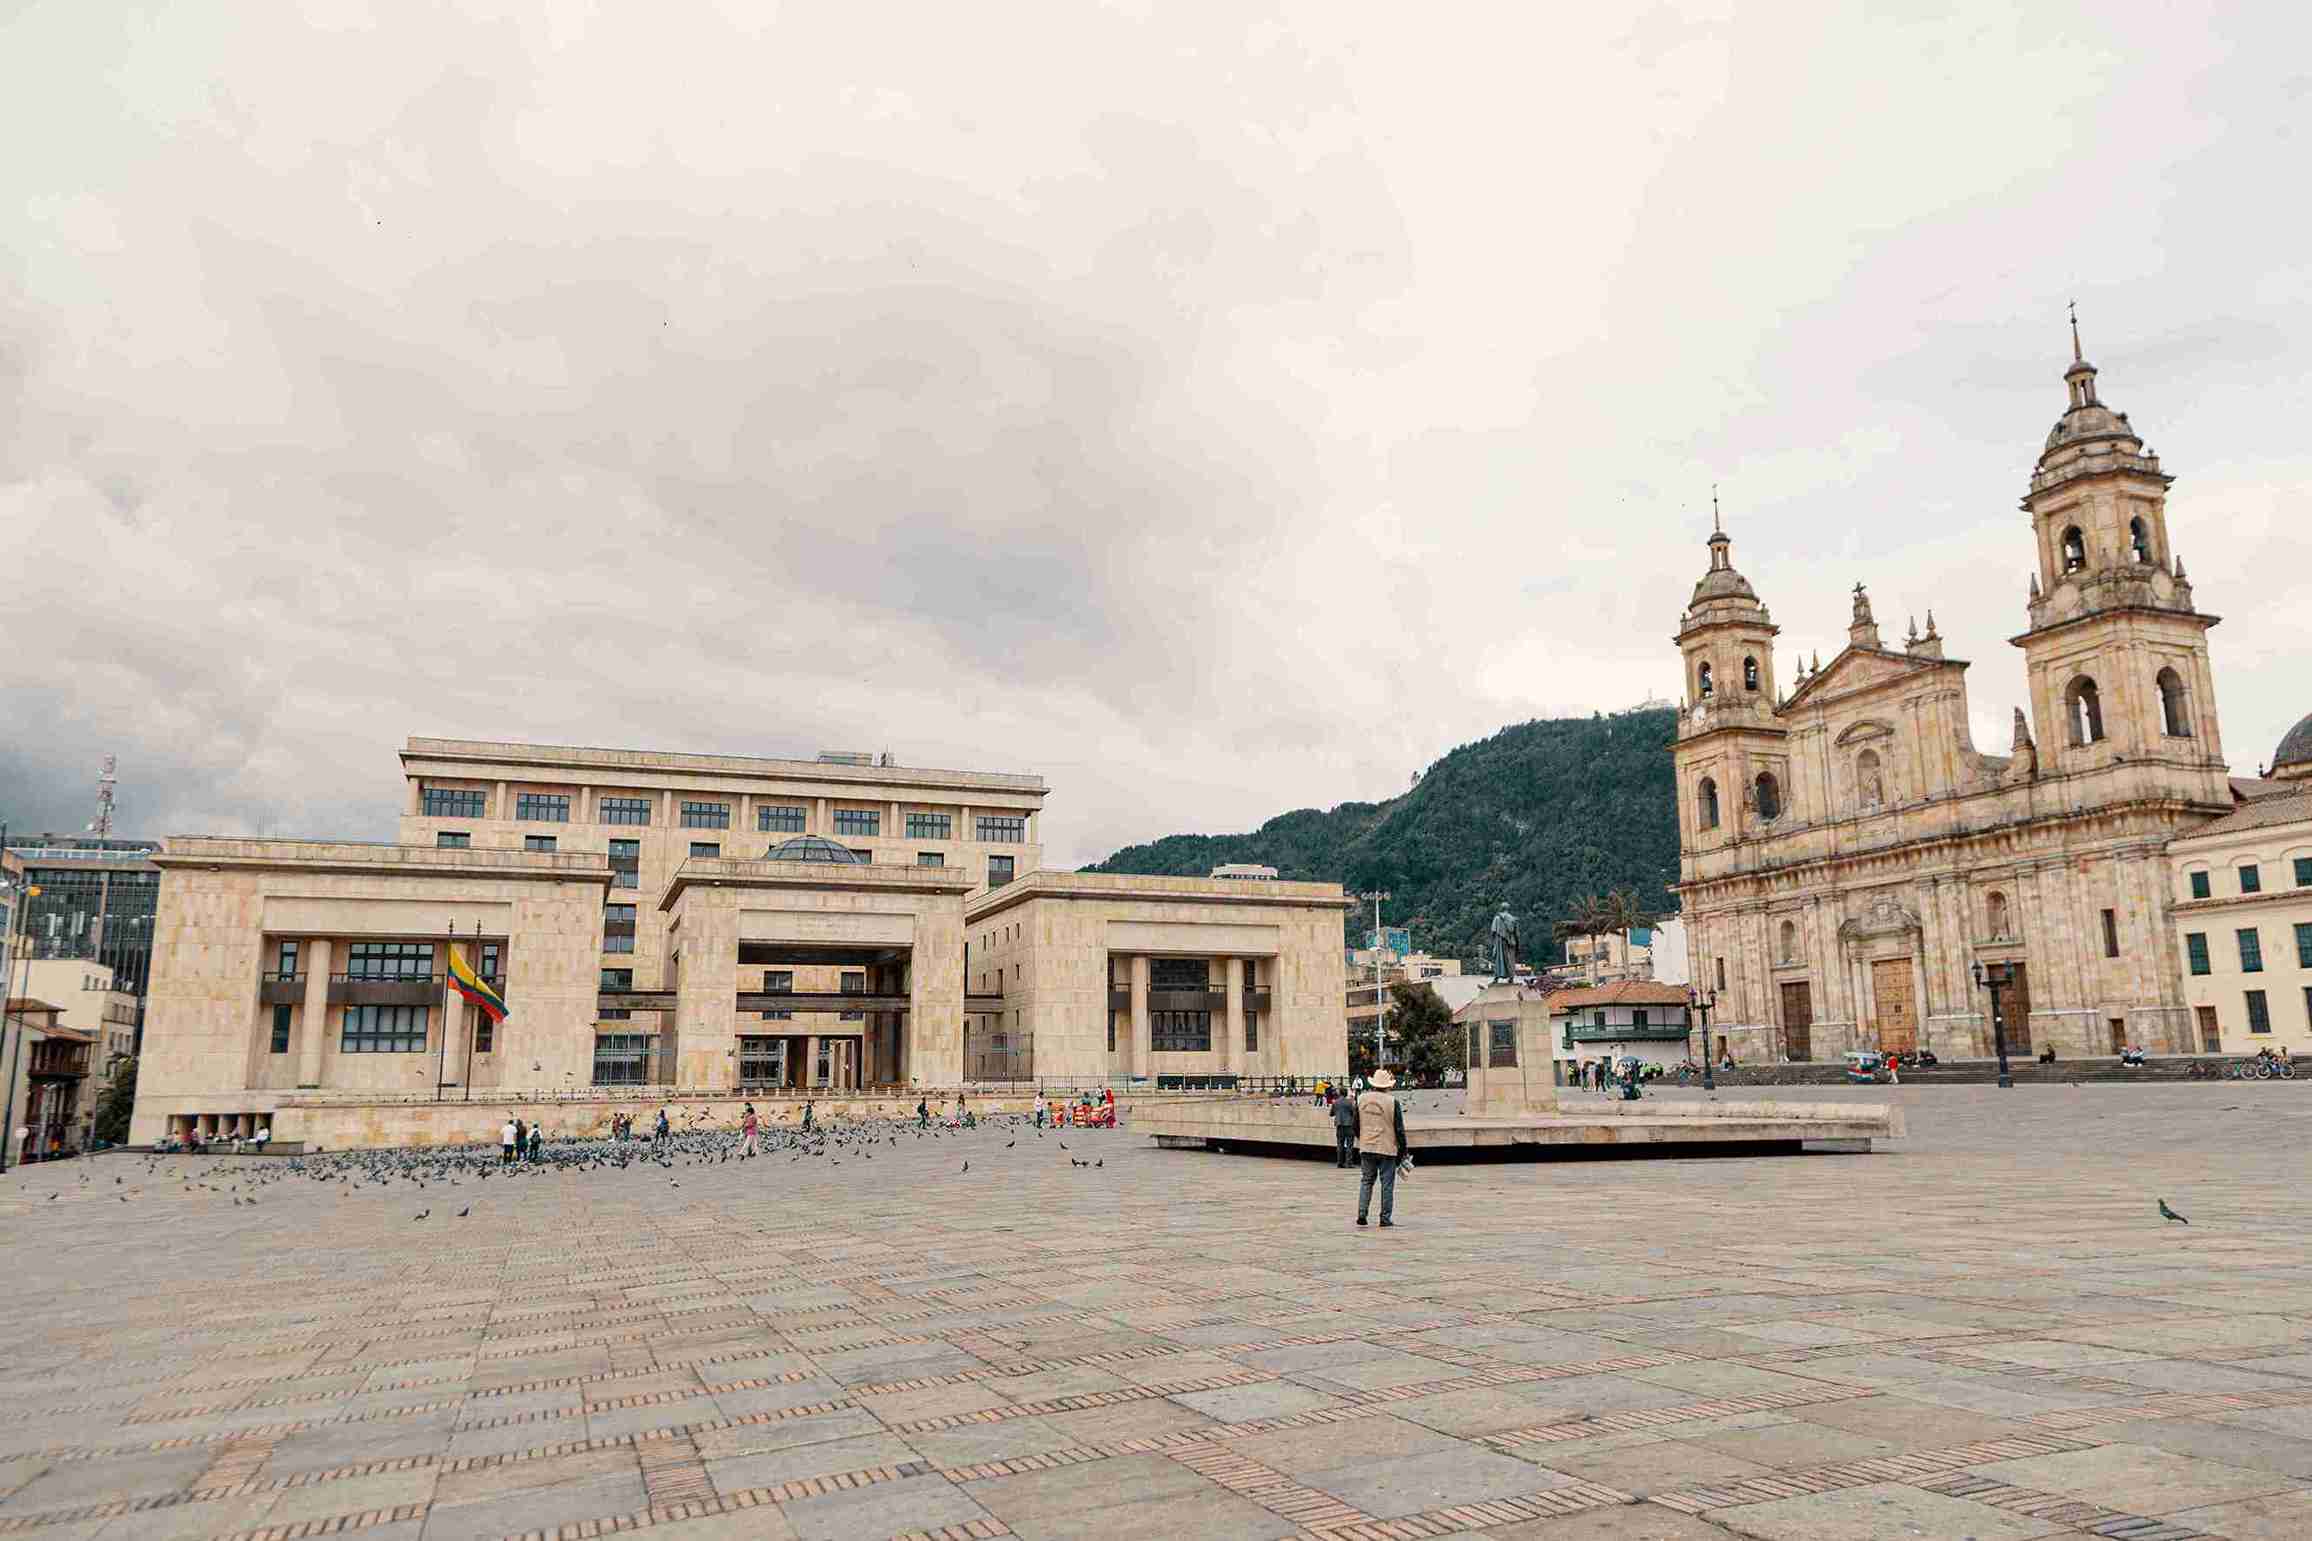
pixel 278 989
pixel 1119 997
pixel 1187 1000
pixel 400 990
pixel 57 1061
pixel 1626 1032
pixel 1256 997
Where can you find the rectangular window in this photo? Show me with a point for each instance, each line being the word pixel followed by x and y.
pixel 618 979
pixel 2259 1014
pixel 623 1059
pixel 854 984
pixel 1112 1029
pixel 452 803
pixel 2196 948
pixel 452 839
pixel 285 960
pixel 1180 973
pixel 706 848
pixel 542 807
pixel 1180 1032
pixel 2200 889
pixel 618 928
pixel 384 1030
pixel 2304 872
pixel 625 810
pixel 762 1061
pixel 706 815
pixel 858 821
pixel 779 981
pixel 2111 933
pixel 1721 973
pixel 1638 1017
pixel 281 1029
pixel 999 871
pixel 1251 1031
pixel 490 962
pixel 485 1034
pixel 2251 878
pixel 2251 951
pixel 625 864
pixel 780 820
pixel 389 960
pixel 539 843
pixel 866 857
pixel 930 859
pixel 778 1016
pixel 1003 828
pixel 930 826
pixel 850 1016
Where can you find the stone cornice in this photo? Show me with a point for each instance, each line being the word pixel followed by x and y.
pixel 217 853
pixel 1167 890
pixel 2216 904
pixel 857 877
pixel 2199 618
pixel 454 752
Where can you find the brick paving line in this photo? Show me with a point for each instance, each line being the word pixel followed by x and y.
pixel 1549 1504
pixel 1271 1489
pixel 2178 1404
pixel 2057 1508
pixel 1851 1474
pixel 1638 1420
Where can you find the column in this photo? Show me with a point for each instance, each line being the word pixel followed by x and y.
pixel 1232 976
pixel 810 1058
pixel 1140 1061
pixel 315 1021
pixel 452 1060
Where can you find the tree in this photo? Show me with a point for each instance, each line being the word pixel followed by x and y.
pixel 1428 1041
pixel 113 1108
pixel 1588 915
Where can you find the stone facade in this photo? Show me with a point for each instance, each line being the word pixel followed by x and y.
pixel 1095 971
pixel 1849 856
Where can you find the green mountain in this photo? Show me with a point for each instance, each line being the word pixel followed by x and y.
pixel 1532 817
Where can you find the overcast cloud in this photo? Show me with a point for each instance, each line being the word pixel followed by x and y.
pixel 1217 408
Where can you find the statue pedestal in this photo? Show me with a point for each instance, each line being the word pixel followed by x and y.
pixel 1512 1058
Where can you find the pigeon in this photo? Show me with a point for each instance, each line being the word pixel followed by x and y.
pixel 421 1214
pixel 469 1209
pixel 2166 1213
pixel 1103 1161
pixel 967 1166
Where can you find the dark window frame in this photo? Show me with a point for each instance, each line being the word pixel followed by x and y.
pixel 389 960
pixel 2196 953
pixel 2251 878
pixel 542 807
pixel 626 865
pixel 280 1044
pixel 624 810
pixel 857 822
pixel 2251 950
pixel 782 818
pixel 931 826
pixel 1001 828
pixel 1001 870
pixel 384 1030
pixel 453 803
pixel 1180 1032
pixel 2111 933
pixel 541 842
pixel 706 848
pixel 2202 883
pixel 705 815
pixel 2259 1012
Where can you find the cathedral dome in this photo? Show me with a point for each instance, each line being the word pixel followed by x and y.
pixel 811 848
pixel 2294 756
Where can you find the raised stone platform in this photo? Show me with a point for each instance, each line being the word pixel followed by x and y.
pixel 1601 1128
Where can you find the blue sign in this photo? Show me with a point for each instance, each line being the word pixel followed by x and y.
pixel 1396 939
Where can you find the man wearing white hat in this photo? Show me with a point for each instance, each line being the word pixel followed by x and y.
pixel 1380 1145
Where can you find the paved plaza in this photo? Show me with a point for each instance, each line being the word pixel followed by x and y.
pixel 1984 1330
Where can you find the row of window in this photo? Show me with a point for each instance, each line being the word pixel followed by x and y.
pixel 2250 876
pixel 554 808
pixel 2083 708
pixel 2251 945
pixel 1706 685
pixel 1765 792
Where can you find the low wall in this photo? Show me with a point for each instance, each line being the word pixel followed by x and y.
pixel 1646 1122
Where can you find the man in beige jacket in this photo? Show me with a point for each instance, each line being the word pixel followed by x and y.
pixel 1380 1145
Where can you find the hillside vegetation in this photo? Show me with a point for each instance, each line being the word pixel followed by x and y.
pixel 1533 817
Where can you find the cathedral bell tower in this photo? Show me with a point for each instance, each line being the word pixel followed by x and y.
pixel 2117 654
pixel 1733 776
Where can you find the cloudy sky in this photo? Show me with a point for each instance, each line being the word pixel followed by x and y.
pixel 1218 408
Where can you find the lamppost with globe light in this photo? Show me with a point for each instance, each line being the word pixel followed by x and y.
pixel 1997 977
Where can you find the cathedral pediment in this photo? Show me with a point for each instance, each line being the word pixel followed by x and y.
pixel 1883 918
pixel 1863 669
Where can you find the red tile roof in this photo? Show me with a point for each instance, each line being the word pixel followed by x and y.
pixel 1623 992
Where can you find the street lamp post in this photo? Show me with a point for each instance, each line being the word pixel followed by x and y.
pixel 1701 1001
pixel 1380 1008
pixel 1996 978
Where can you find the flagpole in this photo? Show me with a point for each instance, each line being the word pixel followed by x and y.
pixel 442 1055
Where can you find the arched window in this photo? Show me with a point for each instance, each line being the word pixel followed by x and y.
pixel 2074 550
pixel 2083 707
pixel 1706 802
pixel 1995 911
pixel 2173 718
pixel 2139 539
pixel 1749 674
pixel 1870 788
pixel 1702 685
pixel 1769 796
pixel 1789 942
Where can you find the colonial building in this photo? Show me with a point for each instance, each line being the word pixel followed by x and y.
pixel 1849 857
pixel 698 927
pixel 2243 912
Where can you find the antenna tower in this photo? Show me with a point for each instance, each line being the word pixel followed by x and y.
pixel 102 828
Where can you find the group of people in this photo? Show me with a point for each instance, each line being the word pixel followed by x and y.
pixel 519 1141
pixel 621 1127
pixel 964 1117
pixel 1059 1112
pixel 1369 1131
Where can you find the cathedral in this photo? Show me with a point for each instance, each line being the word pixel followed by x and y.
pixel 1849 858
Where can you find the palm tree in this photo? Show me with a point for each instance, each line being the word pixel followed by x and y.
pixel 1587 917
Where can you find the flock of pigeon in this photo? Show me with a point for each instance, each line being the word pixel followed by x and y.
pixel 432 1172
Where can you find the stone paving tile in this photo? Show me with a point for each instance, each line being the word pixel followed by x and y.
pixel 794 1349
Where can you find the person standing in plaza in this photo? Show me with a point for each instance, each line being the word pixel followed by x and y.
pixel 521 1138
pixel 537 1139
pixel 659 1134
pixel 1380 1144
pixel 750 1129
pixel 1344 1132
pixel 1041 1108
pixel 506 1143
pixel 923 1112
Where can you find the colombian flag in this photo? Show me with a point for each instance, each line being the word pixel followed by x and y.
pixel 474 988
